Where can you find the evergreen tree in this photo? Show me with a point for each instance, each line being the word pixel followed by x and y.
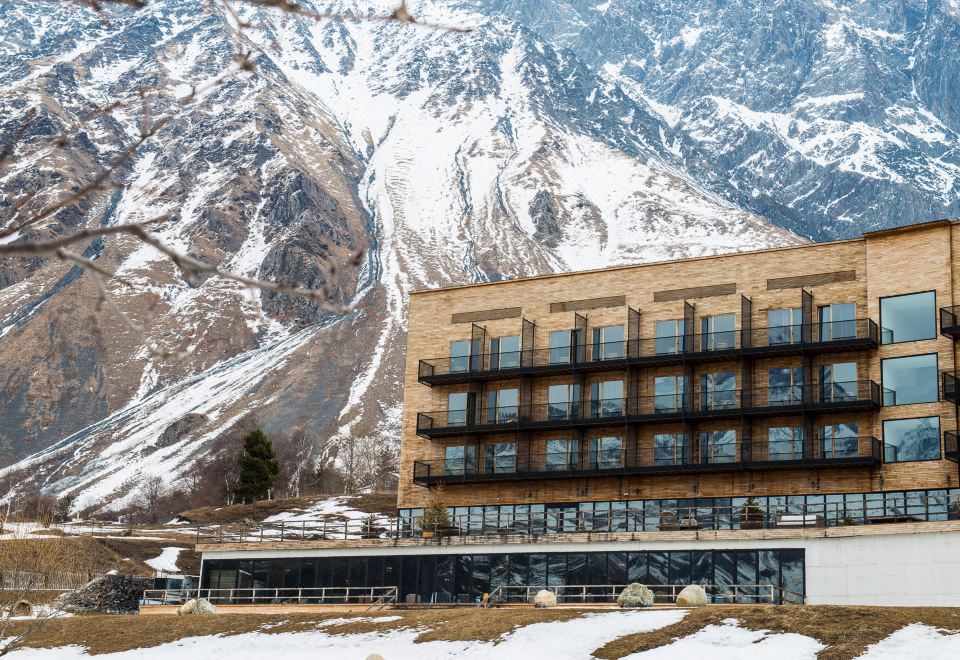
pixel 259 468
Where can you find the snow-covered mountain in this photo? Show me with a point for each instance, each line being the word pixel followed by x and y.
pixel 511 150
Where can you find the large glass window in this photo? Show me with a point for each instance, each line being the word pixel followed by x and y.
pixel 718 332
pixel 668 394
pixel 718 446
pixel 460 355
pixel 838 321
pixel 502 406
pixel 562 454
pixel 505 352
pixel 718 390
pixel 911 439
pixel 669 448
pixel 908 318
pixel 460 459
pixel 839 440
pixel 608 343
pixel 785 443
pixel 669 337
pixel 785 387
pixel 605 452
pixel 607 398
pixel 501 457
pixel 563 401
pixel 457 409
pixel 911 379
pixel 560 346
pixel 784 326
pixel 838 382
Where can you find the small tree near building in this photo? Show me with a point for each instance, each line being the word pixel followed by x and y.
pixel 259 468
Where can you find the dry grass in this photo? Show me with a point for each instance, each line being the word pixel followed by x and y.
pixel 385 503
pixel 846 631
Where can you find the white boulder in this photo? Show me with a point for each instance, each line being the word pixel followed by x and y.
pixel 197 606
pixel 692 596
pixel 545 598
pixel 635 595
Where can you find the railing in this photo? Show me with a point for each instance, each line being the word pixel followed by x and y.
pixel 951 387
pixel 836 335
pixel 951 446
pixel 719 403
pixel 677 456
pixel 662 594
pixel 378 597
pixel 319 529
pixel 950 321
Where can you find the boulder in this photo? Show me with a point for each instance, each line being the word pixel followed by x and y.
pixel 635 595
pixel 374 656
pixel 22 608
pixel 107 594
pixel 197 606
pixel 692 596
pixel 545 598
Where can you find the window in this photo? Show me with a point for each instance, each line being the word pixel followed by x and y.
pixel 505 352
pixel 560 346
pixel 910 379
pixel 563 401
pixel 838 382
pixel 605 452
pixel 460 355
pixel 669 337
pixel 501 457
pixel 562 455
pixel 911 439
pixel 785 443
pixel 718 332
pixel 607 398
pixel 839 440
pixel 908 318
pixel 457 409
pixel 718 390
pixel 459 459
pixel 669 449
pixel 784 326
pixel 785 386
pixel 608 343
pixel 838 321
pixel 668 394
pixel 502 406
pixel 718 446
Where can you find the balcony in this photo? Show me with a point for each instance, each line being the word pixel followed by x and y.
pixel 951 446
pixel 843 452
pixel 950 321
pixel 718 346
pixel 951 387
pixel 851 396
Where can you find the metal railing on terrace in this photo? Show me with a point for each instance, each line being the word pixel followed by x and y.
pixel 672 457
pixel 951 446
pixel 664 594
pixel 717 404
pixel 950 321
pixel 719 345
pixel 374 597
pixel 951 387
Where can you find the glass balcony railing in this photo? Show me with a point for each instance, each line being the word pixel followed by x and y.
pixel 950 321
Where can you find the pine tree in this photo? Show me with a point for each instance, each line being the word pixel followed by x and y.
pixel 259 468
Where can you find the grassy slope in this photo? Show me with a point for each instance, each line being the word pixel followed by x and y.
pixel 385 503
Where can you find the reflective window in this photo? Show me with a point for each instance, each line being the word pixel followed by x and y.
pixel 668 394
pixel 457 409
pixel 607 399
pixel 608 343
pixel 563 401
pixel 669 448
pixel 718 446
pixel 560 347
pixel 718 332
pixel 839 440
pixel 785 386
pixel 669 336
pixel 838 321
pixel 502 406
pixel 908 318
pixel 718 390
pixel 784 326
pixel 460 355
pixel 910 379
pixel 911 439
pixel 785 443
pixel 505 352
pixel 501 457
pixel 562 454
pixel 605 452
pixel 459 460
pixel 838 382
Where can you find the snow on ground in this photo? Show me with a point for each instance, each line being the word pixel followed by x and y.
pixel 915 642
pixel 572 640
pixel 731 642
pixel 166 561
pixel 333 506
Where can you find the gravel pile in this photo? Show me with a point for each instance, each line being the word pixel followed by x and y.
pixel 108 594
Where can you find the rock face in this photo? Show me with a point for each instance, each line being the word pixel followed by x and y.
pixel 108 594
pixel 692 596
pixel 197 606
pixel 545 598
pixel 635 595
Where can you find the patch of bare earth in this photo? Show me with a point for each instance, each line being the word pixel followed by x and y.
pixel 846 631
pixel 382 503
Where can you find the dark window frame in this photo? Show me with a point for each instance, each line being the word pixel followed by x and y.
pixel 936 371
pixel 916 460
pixel 901 295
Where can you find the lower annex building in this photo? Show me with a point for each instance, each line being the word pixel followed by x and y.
pixel 778 424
